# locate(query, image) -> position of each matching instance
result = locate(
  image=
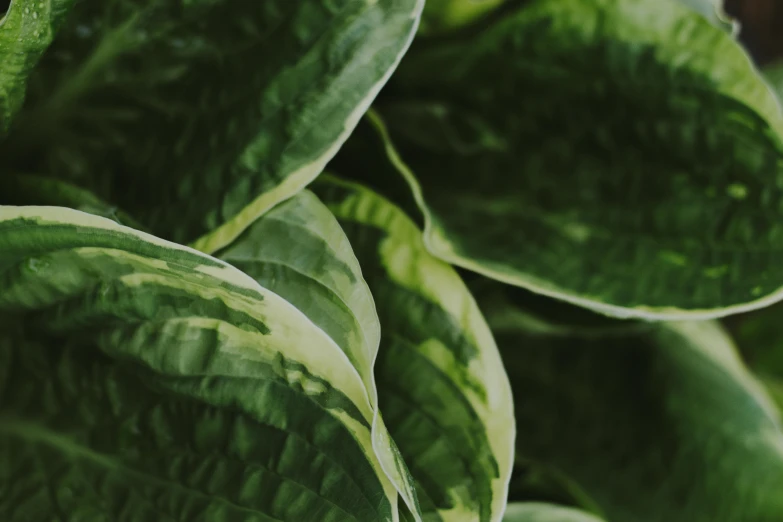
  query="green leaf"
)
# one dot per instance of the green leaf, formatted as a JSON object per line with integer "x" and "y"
{"x": 444, "y": 15}
{"x": 540, "y": 512}
{"x": 299, "y": 252}
{"x": 198, "y": 116}
{"x": 442, "y": 388}
{"x": 144, "y": 380}
{"x": 661, "y": 423}
{"x": 617, "y": 154}
{"x": 26, "y": 30}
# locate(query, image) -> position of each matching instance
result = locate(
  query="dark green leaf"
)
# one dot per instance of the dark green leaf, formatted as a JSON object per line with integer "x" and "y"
{"x": 26, "y": 30}
{"x": 441, "y": 385}
{"x": 143, "y": 380}
{"x": 197, "y": 116}
{"x": 659, "y": 424}
{"x": 619, "y": 154}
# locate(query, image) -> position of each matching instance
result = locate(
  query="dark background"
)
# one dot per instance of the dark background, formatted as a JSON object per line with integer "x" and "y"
{"x": 761, "y": 27}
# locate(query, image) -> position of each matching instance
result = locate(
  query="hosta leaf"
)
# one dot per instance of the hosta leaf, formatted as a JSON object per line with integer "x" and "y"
{"x": 198, "y": 116}
{"x": 299, "y": 251}
{"x": 618, "y": 154}
{"x": 442, "y": 388}
{"x": 152, "y": 382}
{"x": 26, "y": 30}
{"x": 661, "y": 423}
{"x": 539, "y": 512}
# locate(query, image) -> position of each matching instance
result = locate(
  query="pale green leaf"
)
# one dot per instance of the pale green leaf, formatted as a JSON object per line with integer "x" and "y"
{"x": 540, "y": 512}
{"x": 144, "y": 380}
{"x": 442, "y": 388}
{"x": 26, "y": 30}
{"x": 617, "y": 154}
{"x": 198, "y": 116}
{"x": 660, "y": 423}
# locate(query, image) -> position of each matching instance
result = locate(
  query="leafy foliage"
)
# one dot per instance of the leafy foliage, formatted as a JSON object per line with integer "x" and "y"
{"x": 495, "y": 303}
{"x": 591, "y": 128}
{"x": 225, "y": 108}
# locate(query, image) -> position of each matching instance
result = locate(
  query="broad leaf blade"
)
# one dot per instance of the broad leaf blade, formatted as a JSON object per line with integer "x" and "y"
{"x": 299, "y": 251}
{"x": 441, "y": 385}
{"x": 26, "y": 30}
{"x": 617, "y": 154}
{"x": 150, "y": 370}
{"x": 196, "y": 117}
{"x": 662, "y": 423}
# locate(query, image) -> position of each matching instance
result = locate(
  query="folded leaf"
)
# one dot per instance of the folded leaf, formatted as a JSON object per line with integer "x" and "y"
{"x": 26, "y": 30}
{"x": 618, "y": 154}
{"x": 152, "y": 382}
{"x": 198, "y": 116}
{"x": 299, "y": 251}
{"x": 442, "y": 388}
{"x": 661, "y": 423}
{"x": 539, "y": 512}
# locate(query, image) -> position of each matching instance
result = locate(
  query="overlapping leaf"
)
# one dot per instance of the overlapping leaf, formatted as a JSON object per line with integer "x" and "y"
{"x": 26, "y": 30}
{"x": 442, "y": 388}
{"x": 658, "y": 423}
{"x": 618, "y": 154}
{"x": 198, "y": 116}
{"x": 144, "y": 380}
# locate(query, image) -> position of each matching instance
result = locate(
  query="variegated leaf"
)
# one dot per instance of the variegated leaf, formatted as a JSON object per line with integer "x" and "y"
{"x": 144, "y": 380}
